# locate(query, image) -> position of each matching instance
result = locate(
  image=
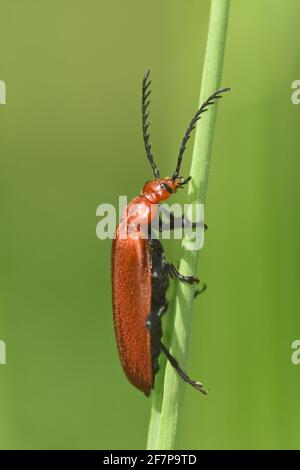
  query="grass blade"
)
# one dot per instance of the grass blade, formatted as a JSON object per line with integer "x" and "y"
{"x": 168, "y": 394}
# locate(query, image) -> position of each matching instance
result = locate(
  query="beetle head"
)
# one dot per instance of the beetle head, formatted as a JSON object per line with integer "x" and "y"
{"x": 161, "y": 189}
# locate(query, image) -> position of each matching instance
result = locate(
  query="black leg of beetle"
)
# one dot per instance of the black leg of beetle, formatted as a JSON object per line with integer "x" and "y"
{"x": 178, "y": 222}
{"x": 162, "y": 309}
{"x": 174, "y": 273}
{"x": 200, "y": 291}
{"x": 174, "y": 223}
{"x": 198, "y": 385}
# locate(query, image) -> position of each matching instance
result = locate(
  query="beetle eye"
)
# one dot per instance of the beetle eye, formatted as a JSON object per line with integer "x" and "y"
{"x": 166, "y": 188}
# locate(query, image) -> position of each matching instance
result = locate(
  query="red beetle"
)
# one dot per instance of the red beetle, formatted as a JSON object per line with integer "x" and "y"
{"x": 140, "y": 273}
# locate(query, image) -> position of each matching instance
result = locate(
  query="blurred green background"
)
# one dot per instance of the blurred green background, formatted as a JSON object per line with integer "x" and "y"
{"x": 70, "y": 139}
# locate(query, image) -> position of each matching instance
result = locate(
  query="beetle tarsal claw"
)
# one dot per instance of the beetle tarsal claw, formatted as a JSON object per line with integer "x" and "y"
{"x": 199, "y": 386}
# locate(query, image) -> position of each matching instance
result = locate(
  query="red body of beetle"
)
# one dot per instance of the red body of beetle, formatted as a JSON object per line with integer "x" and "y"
{"x": 132, "y": 286}
{"x": 140, "y": 273}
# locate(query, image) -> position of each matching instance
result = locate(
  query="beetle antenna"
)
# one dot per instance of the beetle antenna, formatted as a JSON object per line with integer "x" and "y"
{"x": 145, "y": 114}
{"x": 203, "y": 108}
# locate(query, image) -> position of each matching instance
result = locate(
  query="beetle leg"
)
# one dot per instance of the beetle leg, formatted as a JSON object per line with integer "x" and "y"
{"x": 162, "y": 309}
{"x": 178, "y": 222}
{"x": 198, "y": 385}
{"x": 174, "y": 273}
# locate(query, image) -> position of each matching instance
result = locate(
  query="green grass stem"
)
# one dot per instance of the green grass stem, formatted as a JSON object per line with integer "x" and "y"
{"x": 169, "y": 388}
